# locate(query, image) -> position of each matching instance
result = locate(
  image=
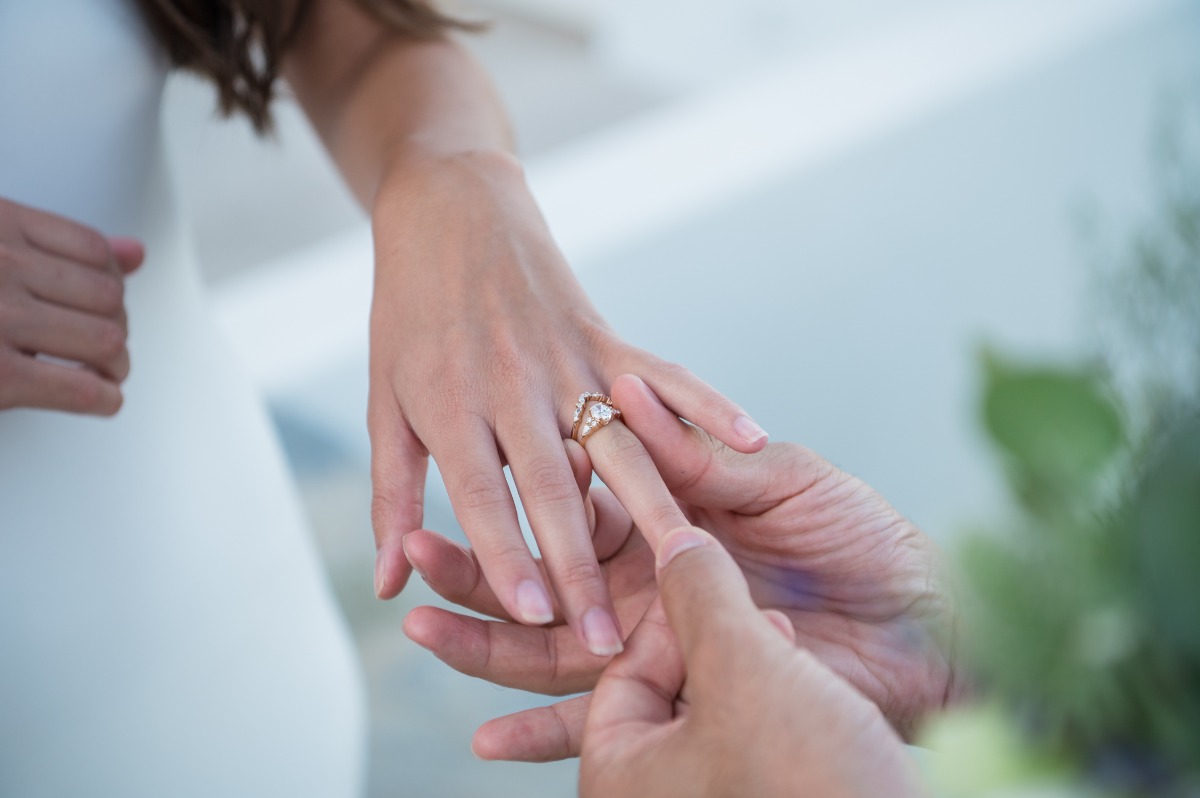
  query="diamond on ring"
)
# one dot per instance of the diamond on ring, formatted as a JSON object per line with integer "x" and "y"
{"x": 600, "y": 414}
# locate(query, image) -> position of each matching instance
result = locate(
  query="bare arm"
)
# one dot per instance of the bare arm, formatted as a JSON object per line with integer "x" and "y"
{"x": 381, "y": 101}
{"x": 481, "y": 337}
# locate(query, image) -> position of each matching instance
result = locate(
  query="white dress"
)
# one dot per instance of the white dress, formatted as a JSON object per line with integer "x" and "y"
{"x": 166, "y": 627}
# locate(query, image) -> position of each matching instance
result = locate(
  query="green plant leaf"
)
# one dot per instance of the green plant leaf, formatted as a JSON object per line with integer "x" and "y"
{"x": 1056, "y": 425}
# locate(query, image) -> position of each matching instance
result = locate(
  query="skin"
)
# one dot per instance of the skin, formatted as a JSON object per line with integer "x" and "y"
{"x": 857, "y": 582}
{"x": 481, "y": 337}
{"x": 705, "y": 673}
{"x": 62, "y": 289}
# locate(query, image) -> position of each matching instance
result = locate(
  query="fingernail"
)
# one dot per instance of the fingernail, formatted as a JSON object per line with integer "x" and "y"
{"x": 677, "y": 542}
{"x": 533, "y": 604}
{"x": 601, "y": 633}
{"x": 379, "y": 574}
{"x": 747, "y": 430}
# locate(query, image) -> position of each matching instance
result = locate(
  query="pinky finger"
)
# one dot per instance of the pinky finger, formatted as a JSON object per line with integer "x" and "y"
{"x": 541, "y": 734}
{"x": 695, "y": 400}
{"x": 30, "y": 382}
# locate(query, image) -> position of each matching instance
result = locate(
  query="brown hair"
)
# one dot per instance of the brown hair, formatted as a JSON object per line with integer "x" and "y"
{"x": 238, "y": 44}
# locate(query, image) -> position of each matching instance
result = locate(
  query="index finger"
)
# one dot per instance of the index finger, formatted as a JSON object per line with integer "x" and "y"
{"x": 642, "y": 684}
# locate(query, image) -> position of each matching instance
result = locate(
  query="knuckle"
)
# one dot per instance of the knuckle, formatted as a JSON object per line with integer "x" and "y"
{"x": 595, "y": 335}
{"x": 704, "y": 464}
{"x": 666, "y": 515}
{"x": 85, "y": 395}
{"x": 672, "y": 371}
{"x": 93, "y": 246}
{"x": 383, "y": 510}
{"x": 90, "y": 396}
{"x": 509, "y": 366}
{"x": 110, "y": 294}
{"x": 110, "y": 339}
{"x": 620, "y": 451}
{"x": 578, "y": 571}
{"x": 553, "y": 661}
{"x": 483, "y": 493}
{"x": 453, "y": 398}
{"x": 551, "y": 482}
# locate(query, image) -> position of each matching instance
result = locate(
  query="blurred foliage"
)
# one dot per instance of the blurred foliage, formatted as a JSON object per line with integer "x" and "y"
{"x": 1083, "y": 620}
{"x": 1056, "y": 427}
{"x": 1148, "y": 298}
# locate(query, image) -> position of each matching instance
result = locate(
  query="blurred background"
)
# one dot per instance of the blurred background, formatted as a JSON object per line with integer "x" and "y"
{"x": 824, "y": 209}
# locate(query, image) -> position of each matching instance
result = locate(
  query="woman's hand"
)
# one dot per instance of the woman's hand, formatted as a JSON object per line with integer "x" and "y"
{"x": 481, "y": 341}
{"x": 757, "y": 715}
{"x": 62, "y": 295}
{"x": 481, "y": 338}
{"x": 858, "y": 582}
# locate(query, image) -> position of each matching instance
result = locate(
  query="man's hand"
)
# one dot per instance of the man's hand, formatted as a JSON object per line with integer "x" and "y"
{"x": 857, "y": 581}
{"x": 62, "y": 294}
{"x": 756, "y": 715}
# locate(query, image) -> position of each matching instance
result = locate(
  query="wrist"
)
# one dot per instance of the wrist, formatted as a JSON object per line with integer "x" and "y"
{"x": 418, "y": 177}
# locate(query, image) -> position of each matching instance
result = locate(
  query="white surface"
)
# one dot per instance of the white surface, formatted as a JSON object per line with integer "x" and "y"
{"x": 729, "y": 141}
{"x": 166, "y": 628}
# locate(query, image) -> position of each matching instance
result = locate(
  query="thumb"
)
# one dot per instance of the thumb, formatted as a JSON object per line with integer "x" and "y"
{"x": 129, "y": 253}
{"x": 707, "y": 601}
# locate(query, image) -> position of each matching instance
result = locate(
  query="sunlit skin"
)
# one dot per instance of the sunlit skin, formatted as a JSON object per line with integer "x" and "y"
{"x": 480, "y": 336}
{"x": 714, "y": 698}
{"x": 858, "y": 583}
{"x": 62, "y": 292}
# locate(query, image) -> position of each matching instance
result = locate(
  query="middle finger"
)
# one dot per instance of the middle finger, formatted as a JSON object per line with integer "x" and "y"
{"x": 554, "y": 505}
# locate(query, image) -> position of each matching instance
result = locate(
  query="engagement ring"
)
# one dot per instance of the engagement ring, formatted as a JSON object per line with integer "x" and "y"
{"x": 588, "y": 419}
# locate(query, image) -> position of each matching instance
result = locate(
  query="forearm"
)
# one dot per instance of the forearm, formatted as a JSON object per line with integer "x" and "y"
{"x": 385, "y": 104}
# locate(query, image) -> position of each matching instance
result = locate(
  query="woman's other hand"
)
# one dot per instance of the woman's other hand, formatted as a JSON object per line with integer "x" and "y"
{"x": 62, "y": 295}
{"x": 756, "y": 715}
